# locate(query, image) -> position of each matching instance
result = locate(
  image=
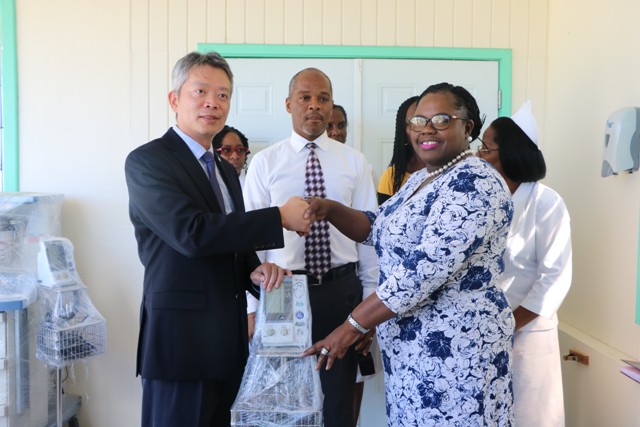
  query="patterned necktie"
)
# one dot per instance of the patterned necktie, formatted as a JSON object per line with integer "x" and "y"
{"x": 317, "y": 252}
{"x": 208, "y": 159}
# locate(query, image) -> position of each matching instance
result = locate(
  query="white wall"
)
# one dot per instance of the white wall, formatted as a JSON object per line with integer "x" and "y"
{"x": 93, "y": 78}
{"x": 592, "y": 71}
{"x": 597, "y": 395}
{"x": 75, "y": 103}
{"x": 590, "y": 76}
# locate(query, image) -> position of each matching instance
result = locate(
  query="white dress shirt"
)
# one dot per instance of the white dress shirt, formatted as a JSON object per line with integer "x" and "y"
{"x": 278, "y": 173}
{"x": 198, "y": 151}
{"x": 538, "y": 269}
{"x": 241, "y": 176}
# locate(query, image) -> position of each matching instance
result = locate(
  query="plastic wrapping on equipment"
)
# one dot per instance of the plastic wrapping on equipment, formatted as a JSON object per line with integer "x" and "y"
{"x": 25, "y": 382}
{"x": 71, "y": 328}
{"x": 43, "y": 314}
{"x": 279, "y": 387}
{"x": 24, "y": 219}
{"x": 18, "y": 289}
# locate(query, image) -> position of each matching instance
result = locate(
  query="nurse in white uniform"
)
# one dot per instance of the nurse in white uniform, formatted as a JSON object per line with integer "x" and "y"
{"x": 537, "y": 272}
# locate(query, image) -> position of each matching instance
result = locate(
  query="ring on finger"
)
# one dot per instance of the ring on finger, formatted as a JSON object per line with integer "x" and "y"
{"x": 324, "y": 351}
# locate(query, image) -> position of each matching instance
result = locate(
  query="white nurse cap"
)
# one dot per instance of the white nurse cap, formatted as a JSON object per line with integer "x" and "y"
{"x": 525, "y": 120}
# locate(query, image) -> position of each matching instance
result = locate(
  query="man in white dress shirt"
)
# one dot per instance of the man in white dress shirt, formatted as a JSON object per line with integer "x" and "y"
{"x": 277, "y": 173}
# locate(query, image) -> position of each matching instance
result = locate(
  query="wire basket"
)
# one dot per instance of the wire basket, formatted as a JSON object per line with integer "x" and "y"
{"x": 274, "y": 418}
{"x": 278, "y": 391}
{"x": 61, "y": 347}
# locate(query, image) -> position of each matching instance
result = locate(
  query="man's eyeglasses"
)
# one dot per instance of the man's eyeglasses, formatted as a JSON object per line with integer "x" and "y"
{"x": 226, "y": 150}
{"x": 440, "y": 121}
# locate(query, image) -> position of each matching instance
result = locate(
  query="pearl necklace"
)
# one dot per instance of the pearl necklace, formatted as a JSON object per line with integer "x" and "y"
{"x": 448, "y": 165}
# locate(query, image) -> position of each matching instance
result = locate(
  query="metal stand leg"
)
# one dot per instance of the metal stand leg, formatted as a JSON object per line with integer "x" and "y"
{"x": 58, "y": 398}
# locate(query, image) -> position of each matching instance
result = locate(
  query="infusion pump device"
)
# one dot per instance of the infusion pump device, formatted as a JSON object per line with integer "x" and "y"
{"x": 56, "y": 267}
{"x": 287, "y": 314}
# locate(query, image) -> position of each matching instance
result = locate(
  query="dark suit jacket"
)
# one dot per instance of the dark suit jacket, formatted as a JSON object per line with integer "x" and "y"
{"x": 193, "y": 321}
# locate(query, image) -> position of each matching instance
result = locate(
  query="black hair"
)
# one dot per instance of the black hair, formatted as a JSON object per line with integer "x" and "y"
{"x": 520, "y": 157}
{"x": 402, "y": 149}
{"x": 341, "y": 108}
{"x": 217, "y": 140}
{"x": 463, "y": 101}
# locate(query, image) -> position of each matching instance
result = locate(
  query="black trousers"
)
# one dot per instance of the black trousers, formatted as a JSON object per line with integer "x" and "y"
{"x": 189, "y": 403}
{"x": 331, "y": 303}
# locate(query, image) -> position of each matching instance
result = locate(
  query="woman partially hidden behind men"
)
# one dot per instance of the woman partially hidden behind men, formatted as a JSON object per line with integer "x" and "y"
{"x": 444, "y": 327}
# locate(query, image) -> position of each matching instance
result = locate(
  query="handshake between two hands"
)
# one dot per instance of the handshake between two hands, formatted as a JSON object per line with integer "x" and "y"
{"x": 298, "y": 214}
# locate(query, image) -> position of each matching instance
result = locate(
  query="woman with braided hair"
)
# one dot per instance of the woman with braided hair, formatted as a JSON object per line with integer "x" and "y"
{"x": 445, "y": 329}
{"x": 404, "y": 161}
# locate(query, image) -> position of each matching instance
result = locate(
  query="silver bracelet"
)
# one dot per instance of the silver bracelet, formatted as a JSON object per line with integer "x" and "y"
{"x": 357, "y": 325}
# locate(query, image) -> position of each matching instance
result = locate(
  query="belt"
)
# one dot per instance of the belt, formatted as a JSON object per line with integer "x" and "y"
{"x": 333, "y": 274}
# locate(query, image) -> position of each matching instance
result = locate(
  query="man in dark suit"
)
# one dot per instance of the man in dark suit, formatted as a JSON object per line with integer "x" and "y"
{"x": 197, "y": 246}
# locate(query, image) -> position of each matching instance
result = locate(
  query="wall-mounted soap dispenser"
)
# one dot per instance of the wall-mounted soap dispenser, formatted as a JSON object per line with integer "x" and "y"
{"x": 622, "y": 142}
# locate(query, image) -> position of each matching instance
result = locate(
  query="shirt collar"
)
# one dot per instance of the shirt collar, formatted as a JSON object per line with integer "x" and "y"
{"x": 299, "y": 143}
{"x": 197, "y": 149}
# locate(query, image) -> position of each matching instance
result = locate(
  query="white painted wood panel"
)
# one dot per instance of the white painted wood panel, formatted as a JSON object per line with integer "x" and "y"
{"x": 141, "y": 45}
{"x": 387, "y": 83}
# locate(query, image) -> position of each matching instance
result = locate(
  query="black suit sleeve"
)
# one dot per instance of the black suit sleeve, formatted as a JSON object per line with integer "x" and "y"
{"x": 169, "y": 198}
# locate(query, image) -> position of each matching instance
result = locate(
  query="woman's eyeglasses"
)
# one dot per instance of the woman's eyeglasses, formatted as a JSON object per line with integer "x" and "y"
{"x": 440, "y": 121}
{"x": 226, "y": 150}
{"x": 484, "y": 149}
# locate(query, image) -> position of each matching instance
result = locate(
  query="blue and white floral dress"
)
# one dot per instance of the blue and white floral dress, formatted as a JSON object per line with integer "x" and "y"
{"x": 447, "y": 353}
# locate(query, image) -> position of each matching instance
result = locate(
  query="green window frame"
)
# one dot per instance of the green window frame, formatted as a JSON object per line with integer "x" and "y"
{"x": 502, "y": 56}
{"x": 9, "y": 86}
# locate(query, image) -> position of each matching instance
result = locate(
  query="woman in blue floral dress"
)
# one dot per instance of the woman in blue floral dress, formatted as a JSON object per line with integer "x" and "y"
{"x": 445, "y": 329}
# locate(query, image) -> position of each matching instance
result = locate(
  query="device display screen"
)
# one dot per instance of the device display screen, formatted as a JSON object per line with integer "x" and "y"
{"x": 278, "y": 303}
{"x": 56, "y": 256}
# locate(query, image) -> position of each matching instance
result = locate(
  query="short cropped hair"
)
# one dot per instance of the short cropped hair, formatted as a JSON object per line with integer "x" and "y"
{"x": 520, "y": 157}
{"x": 194, "y": 59}
{"x": 294, "y": 79}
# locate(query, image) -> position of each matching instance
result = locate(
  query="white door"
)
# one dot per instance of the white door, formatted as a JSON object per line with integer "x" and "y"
{"x": 370, "y": 90}
{"x": 261, "y": 87}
